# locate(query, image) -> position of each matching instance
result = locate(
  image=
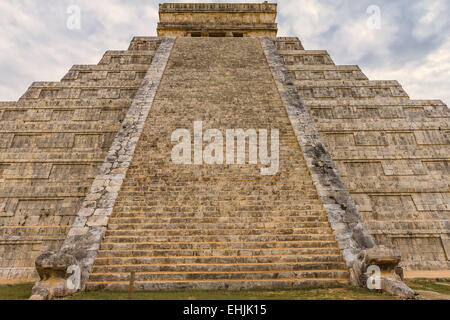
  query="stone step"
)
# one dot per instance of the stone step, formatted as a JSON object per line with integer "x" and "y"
{"x": 109, "y": 247}
{"x": 371, "y": 92}
{"x": 229, "y": 251}
{"x": 325, "y": 67}
{"x": 82, "y": 81}
{"x": 87, "y": 92}
{"x": 219, "y": 219}
{"x": 300, "y": 254}
{"x": 247, "y": 199}
{"x": 127, "y": 57}
{"x": 288, "y": 43}
{"x": 126, "y": 212}
{"x": 144, "y": 43}
{"x": 31, "y": 192}
{"x": 106, "y": 68}
{"x": 222, "y": 237}
{"x": 309, "y": 263}
{"x": 156, "y": 191}
{"x": 205, "y": 226}
{"x": 221, "y": 284}
{"x": 216, "y": 232}
{"x": 235, "y": 275}
{"x": 123, "y": 53}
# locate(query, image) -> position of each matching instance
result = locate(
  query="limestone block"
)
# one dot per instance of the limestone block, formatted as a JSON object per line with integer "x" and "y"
{"x": 368, "y": 113}
{"x": 370, "y": 138}
{"x": 40, "y": 208}
{"x": 56, "y": 140}
{"x": 392, "y": 207}
{"x": 27, "y": 171}
{"x": 322, "y": 113}
{"x": 32, "y": 93}
{"x": 422, "y": 251}
{"x": 5, "y": 140}
{"x": 363, "y": 169}
{"x": 332, "y": 75}
{"x": 87, "y": 114}
{"x": 127, "y": 93}
{"x": 89, "y": 94}
{"x": 438, "y": 168}
{"x": 446, "y": 245}
{"x": 393, "y": 112}
{"x": 68, "y": 172}
{"x": 88, "y": 141}
{"x": 345, "y": 112}
{"x": 38, "y": 115}
{"x": 71, "y": 75}
{"x": 446, "y": 199}
{"x": 49, "y": 93}
{"x": 403, "y": 167}
{"x": 94, "y": 75}
{"x": 341, "y": 139}
{"x": 8, "y": 207}
{"x": 68, "y": 93}
{"x": 437, "y": 111}
{"x": 398, "y": 92}
{"x": 13, "y": 115}
{"x": 429, "y": 201}
{"x": 109, "y": 93}
{"x": 62, "y": 115}
{"x": 112, "y": 114}
{"x": 362, "y": 201}
{"x": 363, "y": 92}
{"x": 401, "y": 139}
{"x": 432, "y": 137}
{"x": 324, "y": 92}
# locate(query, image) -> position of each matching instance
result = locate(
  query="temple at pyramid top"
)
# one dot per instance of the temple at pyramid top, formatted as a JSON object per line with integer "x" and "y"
{"x": 218, "y": 19}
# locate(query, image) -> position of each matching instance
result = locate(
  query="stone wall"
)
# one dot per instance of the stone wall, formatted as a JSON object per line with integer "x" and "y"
{"x": 189, "y": 19}
{"x": 392, "y": 152}
{"x": 52, "y": 143}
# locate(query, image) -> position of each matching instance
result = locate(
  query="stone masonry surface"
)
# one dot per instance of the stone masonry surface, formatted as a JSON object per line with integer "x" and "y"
{"x": 221, "y": 226}
{"x": 52, "y": 144}
{"x": 392, "y": 152}
{"x": 83, "y": 239}
{"x": 217, "y": 226}
{"x": 245, "y": 19}
{"x": 348, "y": 225}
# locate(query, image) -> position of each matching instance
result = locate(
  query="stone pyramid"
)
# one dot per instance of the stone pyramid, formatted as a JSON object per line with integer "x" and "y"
{"x": 86, "y": 170}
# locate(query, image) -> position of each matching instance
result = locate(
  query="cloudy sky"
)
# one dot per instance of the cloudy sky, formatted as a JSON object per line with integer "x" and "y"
{"x": 410, "y": 44}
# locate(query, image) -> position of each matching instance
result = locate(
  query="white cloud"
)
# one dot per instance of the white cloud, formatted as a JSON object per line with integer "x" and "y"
{"x": 412, "y": 46}
{"x": 433, "y": 18}
{"x": 425, "y": 79}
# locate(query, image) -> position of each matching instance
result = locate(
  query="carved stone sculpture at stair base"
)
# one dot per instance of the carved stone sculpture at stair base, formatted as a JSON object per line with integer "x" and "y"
{"x": 387, "y": 259}
{"x": 53, "y": 272}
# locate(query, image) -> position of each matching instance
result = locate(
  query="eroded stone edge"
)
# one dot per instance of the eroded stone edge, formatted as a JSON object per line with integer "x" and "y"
{"x": 345, "y": 219}
{"x": 85, "y": 236}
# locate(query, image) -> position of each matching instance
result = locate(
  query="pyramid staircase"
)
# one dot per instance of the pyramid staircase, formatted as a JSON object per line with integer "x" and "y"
{"x": 221, "y": 226}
